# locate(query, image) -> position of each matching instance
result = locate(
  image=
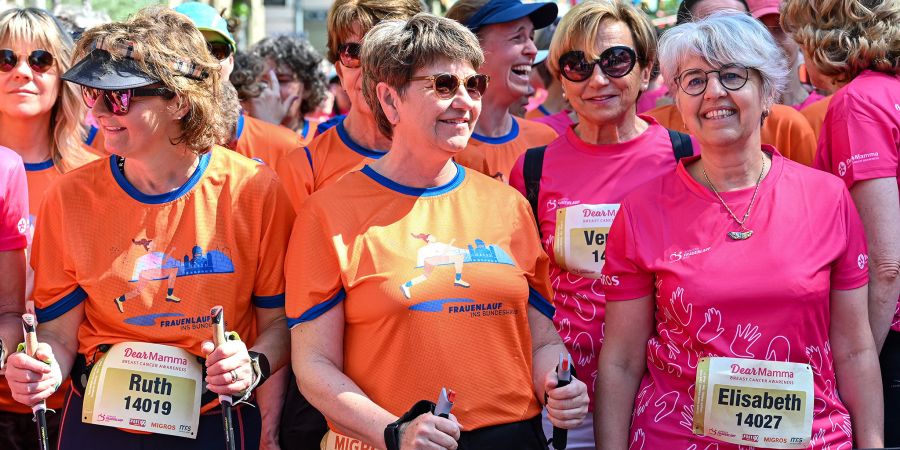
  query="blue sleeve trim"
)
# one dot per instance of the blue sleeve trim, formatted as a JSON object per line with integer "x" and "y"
{"x": 309, "y": 158}
{"x": 268, "y": 301}
{"x": 318, "y": 310}
{"x": 540, "y": 303}
{"x": 62, "y": 306}
{"x": 92, "y": 134}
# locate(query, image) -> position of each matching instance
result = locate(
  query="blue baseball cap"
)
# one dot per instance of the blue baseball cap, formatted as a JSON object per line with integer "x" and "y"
{"x": 206, "y": 18}
{"x": 502, "y": 11}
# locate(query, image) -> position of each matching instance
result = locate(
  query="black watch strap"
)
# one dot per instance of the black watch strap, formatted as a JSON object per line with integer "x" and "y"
{"x": 392, "y": 431}
{"x": 260, "y": 360}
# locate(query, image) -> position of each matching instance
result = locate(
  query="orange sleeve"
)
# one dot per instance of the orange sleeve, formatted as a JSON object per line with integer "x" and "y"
{"x": 56, "y": 289}
{"x": 277, "y": 218}
{"x": 312, "y": 270}
{"x": 669, "y": 117}
{"x": 295, "y": 171}
{"x": 790, "y": 133}
{"x": 526, "y": 249}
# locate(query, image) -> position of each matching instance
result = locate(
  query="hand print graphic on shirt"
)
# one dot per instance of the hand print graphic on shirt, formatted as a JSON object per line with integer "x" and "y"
{"x": 840, "y": 421}
{"x": 815, "y": 358}
{"x": 666, "y": 405}
{"x": 583, "y": 346}
{"x": 779, "y": 349}
{"x": 637, "y": 442}
{"x": 682, "y": 312}
{"x": 712, "y": 326}
{"x": 713, "y": 446}
{"x": 687, "y": 417}
{"x": 744, "y": 338}
{"x": 654, "y": 354}
{"x": 565, "y": 330}
{"x": 643, "y": 399}
{"x": 581, "y": 310}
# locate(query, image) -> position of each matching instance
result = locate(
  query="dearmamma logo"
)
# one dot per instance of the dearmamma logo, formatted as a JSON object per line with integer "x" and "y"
{"x": 842, "y": 168}
{"x": 862, "y": 260}
{"x": 108, "y": 418}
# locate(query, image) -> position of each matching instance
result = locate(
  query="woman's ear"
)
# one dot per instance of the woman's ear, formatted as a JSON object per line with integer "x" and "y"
{"x": 179, "y": 108}
{"x": 645, "y": 77}
{"x": 390, "y": 102}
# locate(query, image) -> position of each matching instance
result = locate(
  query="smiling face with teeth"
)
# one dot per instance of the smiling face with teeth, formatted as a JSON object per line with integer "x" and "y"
{"x": 508, "y": 53}
{"x": 722, "y": 118}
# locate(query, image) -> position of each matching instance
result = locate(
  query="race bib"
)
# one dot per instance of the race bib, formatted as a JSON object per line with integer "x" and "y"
{"x": 581, "y": 234}
{"x": 764, "y": 404}
{"x": 337, "y": 441}
{"x": 145, "y": 387}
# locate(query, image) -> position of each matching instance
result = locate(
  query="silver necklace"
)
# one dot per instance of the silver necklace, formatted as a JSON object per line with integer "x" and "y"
{"x": 744, "y": 233}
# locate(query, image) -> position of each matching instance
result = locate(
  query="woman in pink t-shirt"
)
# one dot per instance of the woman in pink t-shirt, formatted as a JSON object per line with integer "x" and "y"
{"x": 602, "y": 54}
{"x": 735, "y": 286}
{"x": 860, "y": 142}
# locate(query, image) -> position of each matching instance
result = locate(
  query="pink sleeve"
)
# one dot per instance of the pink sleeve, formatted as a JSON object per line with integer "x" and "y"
{"x": 13, "y": 203}
{"x": 516, "y": 176}
{"x": 624, "y": 277}
{"x": 862, "y": 143}
{"x": 851, "y": 269}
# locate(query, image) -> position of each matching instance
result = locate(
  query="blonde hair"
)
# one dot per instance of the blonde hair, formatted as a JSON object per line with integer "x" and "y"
{"x": 348, "y": 16}
{"x": 579, "y": 28}
{"x": 162, "y": 38}
{"x": 40, "y": 29}
{"x": 395, "y": 49}
{"x": 846, "y": 37}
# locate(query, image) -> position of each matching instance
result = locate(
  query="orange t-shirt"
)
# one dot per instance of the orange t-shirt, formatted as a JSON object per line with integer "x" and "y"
{"x": 435, "y": 293}
{"x": 166, "y": 259}
{"x": 815, "y": 114}
{"x": 329, "y": 157}
{"x": 263, "y": 141}
{"x": 308, "y": 132}
{"x": 495, "y": 157}
{"x": 536, "y": 113}
{"x": 785, "y": 129}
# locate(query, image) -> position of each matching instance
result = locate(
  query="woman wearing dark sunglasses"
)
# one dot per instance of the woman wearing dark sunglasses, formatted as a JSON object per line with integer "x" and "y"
{"x": 134, "y": 250}
{"x": 603, "y": 53}
{"x": 422, "y": 289}
{"x": 736, "y": 285}
{"x": 41, "y": 119}
{"x": 355, "y": 140}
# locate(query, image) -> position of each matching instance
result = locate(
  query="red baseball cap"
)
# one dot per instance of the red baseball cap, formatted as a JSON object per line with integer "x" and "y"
{"x": 759, "y": 8}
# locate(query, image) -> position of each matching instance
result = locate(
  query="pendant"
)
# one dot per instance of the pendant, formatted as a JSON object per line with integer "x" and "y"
{"x": 740, "y": 235}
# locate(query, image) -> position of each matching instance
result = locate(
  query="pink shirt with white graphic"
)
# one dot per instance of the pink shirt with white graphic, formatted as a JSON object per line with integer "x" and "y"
{"x": 13, "y": 202}
{"x": 765, "y": 298}
{"x": 576, "y": 173}
{"x": 861, "y": 134}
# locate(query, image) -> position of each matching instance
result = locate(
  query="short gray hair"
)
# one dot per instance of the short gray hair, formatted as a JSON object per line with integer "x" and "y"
{"x": 394, "y": 49}
{"x": 725, "y": 38}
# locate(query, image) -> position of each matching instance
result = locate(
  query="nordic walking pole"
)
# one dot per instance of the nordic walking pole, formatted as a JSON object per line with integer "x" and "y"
{"x": 29, "y": 328}
{"x": 218, "y": 320}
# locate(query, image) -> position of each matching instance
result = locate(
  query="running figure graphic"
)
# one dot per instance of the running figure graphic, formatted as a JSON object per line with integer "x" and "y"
{"x": 152, "y": 266}
{"x": 434, "y": 254}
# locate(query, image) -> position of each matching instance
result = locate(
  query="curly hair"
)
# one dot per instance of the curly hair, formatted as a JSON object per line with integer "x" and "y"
{"x": 164, "y": 37}
{"x": 845, "y": 37}
{"x": 248, "y": 68}
{"x": 38, "y": 27}
{"x": 298, "y": 54}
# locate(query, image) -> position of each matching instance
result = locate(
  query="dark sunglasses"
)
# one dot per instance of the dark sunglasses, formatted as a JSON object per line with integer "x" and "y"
{"x": 731, "y": 77}
{"x": 446, "y": 84}
{"x": 614, "y": 62}
{"x": 220, "y": 50}
{"x": 119, "y": 101}
{"x": 39, "y": 60}
{"x": 349, "y": 54}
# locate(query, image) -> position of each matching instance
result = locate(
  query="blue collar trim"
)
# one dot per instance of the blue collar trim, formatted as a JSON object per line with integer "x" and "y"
{"x": 544, "y": 110}
{"x": 349, "y": 142}
{"x": 34, "y": 167}
{"x": 513, "y": 133}
{"x": 159, "y": 198}
{"x": 239, "y": 130}
{"x": 305, "y": 129}
{"x": 417, "y": 192}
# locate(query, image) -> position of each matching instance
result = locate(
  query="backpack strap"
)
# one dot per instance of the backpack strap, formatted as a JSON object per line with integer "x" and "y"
{"x": 681, "y": 145}
{"x": 531, "y": 172}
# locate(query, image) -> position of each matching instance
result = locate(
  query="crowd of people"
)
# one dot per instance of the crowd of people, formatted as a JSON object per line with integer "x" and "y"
{"x": 503, "y": 228}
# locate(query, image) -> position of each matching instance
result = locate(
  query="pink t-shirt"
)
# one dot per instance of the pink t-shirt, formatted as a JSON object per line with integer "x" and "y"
{"x": 13, "y": 202}
{"x": 861, "y": 134}
{"x": 581, "y": 188}
{"x": 766, "y": 297}
{"x": 812, "y": 98}
{"x": 560, "y": 122}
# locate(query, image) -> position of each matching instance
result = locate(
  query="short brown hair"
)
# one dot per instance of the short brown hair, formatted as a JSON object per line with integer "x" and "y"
{"x": 463, "y": 10}
{"x": 846, "y": 37}
{"x": 411, "y": 45}
{"x": 348, "y": 16}
{"x": 162, "y": 36}
{"x": 579, "y": 28}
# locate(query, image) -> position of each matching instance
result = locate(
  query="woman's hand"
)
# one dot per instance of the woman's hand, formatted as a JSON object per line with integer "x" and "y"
{"x": 430, "y": 432}
{"x": 31, "y": 379}
{"x": 268, "y": 106}
{"x": 567, "y": 405}
{"x": 228, "y": 369}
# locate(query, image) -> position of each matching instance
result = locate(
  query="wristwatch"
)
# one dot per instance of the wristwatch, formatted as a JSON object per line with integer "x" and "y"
{"x": 260, "y": 365}
{"x": 392, "y": 431}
